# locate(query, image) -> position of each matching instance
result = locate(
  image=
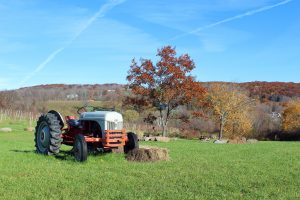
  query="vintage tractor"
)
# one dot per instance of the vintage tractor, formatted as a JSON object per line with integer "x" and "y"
{"x": 96, "y": 130}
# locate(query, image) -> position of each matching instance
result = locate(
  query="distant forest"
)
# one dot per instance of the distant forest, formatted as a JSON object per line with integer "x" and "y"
{"x": 20, "y": 98}
{"x": 271, "y": 99}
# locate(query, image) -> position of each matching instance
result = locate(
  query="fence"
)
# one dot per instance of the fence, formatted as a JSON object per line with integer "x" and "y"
{"x": 18, "y": 115}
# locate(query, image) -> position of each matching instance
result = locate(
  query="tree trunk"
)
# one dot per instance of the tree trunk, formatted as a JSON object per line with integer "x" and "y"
{"x": 222, "y": 120}
{"x": 221, "y": 131}
{"x": 162, "y": 122}
{"x": 164, "y": 132}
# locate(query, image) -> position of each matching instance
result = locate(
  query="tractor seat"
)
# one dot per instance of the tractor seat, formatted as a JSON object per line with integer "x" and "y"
{"x": 74, "y": 123}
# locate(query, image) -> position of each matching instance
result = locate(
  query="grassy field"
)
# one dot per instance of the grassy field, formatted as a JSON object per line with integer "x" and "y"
{"x": 267, "y": 170}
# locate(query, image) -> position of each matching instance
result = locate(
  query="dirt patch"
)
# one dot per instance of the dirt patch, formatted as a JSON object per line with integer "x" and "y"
{"x": 148, "y": 154}
{"x": 5, "y": 130}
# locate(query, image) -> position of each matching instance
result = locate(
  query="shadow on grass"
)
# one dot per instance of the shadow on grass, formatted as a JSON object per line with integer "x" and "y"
{"x": 23, "y": 151}
{"x": 63, "y": 154}
{"x": 69, "y": 155}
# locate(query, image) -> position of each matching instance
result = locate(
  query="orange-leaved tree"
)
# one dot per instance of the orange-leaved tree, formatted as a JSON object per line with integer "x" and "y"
{"x": 291, "y": 117}
{"x": 164, "y": 85}
{"x": 231, "y": 106}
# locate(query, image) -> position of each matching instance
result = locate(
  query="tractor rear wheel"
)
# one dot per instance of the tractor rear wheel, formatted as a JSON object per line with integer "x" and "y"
{"x": 48, "y": 135}
{"x": 132, "y": 142}
{"x": 80, "y": 148}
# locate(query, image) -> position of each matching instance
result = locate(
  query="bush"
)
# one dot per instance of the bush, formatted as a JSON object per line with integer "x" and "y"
{"x": 190, "y": 134}
{"x": 131, "y": 115}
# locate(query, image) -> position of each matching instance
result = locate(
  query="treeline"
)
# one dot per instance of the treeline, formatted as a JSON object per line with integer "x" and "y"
{"x": 272, "y": 99}
{"x": 264, "y": 91}
{"x": 268, "y": 91}
{"x": 272, "y": 91}
{"x": 35, "y": 98}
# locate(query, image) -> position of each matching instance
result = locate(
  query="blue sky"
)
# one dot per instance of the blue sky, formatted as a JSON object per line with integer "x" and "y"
{"x": 87, "y": 42}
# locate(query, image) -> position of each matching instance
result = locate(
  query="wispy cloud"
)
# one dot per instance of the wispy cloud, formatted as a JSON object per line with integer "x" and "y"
{"x": 99, "y": 14}
{"x": 246, "y": 14}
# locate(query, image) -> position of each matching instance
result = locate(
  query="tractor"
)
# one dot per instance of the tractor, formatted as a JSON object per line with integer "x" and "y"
{"x": 96, "y": 130}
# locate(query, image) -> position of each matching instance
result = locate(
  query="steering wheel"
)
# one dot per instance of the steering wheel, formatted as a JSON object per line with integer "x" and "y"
{"x": 92, "y": 108}
{"x": 82, "y": 109}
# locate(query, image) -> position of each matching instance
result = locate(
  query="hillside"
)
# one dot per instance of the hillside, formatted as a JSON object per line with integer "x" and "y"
{"x": 28, "y": 97}
{"x": 274, "y": 91}
{"x": 272, "y": 99}
{"x": 256, "y": 89}
{"x": 270, "y": 91}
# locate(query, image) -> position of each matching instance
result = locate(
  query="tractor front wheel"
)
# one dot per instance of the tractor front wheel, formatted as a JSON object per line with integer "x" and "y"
{"x": 80, "y": 148}
{"x": 132, "y": 142}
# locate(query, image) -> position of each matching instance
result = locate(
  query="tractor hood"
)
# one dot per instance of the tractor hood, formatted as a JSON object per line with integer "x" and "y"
{"x": 104, "y": 115}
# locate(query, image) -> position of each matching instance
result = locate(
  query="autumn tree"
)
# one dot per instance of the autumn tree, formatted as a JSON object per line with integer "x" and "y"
{"x": 291, "y": 117}
{"x": 131, "y": 115}
{"x": 164, "y": 85}
{"x": 239, "y": 123}
{"x": 230, "y": 105}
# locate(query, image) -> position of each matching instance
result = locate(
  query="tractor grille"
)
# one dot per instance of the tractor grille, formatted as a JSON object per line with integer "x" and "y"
{"x": 114, "y": 126}
{"x": 120, "y": 125}
{"x": 115, "y": 138}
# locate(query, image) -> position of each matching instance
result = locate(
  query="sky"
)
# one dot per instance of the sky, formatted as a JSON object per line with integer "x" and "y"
{"x": 93, "y": 42}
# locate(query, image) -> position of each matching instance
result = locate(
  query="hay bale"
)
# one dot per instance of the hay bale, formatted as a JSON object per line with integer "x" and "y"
{"x": 148, "y": 154}
{"x": 5, "y": 130}
{"x": 29, "y": 129}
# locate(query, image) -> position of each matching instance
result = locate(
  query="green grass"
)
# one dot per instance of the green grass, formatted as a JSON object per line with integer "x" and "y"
{"x": 267, "y": 170}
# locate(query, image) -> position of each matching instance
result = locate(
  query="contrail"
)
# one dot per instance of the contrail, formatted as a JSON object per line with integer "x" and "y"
{"x": 246, "y": 14}
{"x": 99, "y": 14}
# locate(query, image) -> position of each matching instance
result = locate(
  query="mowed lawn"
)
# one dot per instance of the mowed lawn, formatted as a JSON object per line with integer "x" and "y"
{"x": 266, "y": 170}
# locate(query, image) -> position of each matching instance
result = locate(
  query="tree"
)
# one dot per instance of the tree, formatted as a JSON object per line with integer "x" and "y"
{"x": 165, "y": 85}
{"x": 291, "y": 117}
{"x": 131, "y": 115}
{"x": 230, "y": 105}
{"x": 8, "y": 99}
{"x": 267, "y": 119}
{"x": 239, "y": 123}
